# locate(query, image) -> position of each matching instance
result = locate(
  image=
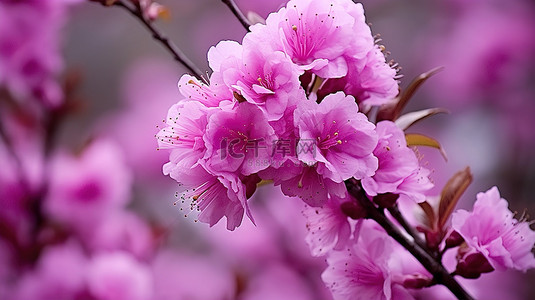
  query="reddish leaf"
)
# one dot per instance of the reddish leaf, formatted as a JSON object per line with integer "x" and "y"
{"x": 392, "y": 112}
{"x": 430, "y": 219}
{"x": 451, "y": 193}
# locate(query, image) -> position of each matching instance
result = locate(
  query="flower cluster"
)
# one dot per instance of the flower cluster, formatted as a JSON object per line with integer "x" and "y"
{"x": 293, "y": 104}
{"x": 288, "y": 105}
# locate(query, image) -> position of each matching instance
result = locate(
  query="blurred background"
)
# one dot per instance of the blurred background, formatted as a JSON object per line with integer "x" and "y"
{"x": 144, "y": 248}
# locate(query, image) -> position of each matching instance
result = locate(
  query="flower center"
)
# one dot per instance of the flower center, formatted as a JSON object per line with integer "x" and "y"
{"x": 329, "y": 141}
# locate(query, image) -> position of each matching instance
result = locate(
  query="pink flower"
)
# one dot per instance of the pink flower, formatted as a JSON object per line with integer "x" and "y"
{"x": 118, "y": 276}
{"x": 364, "y": 271}
{"x": 299, "y": 180}
{"x": 213, "y": 95}
{"x": 332, "y": 40}
{"x": 491, "y": 229}
{"x": 370, "y": 80}
{"x": 339, "y": 139}
{"x": 85, "y": 189}
{"x": 263, "y": 77}
{"x": 399, "y": 171}
{"x": 316, "y": 35}
{"x": 186, "y": 125}
{"x": 60, "y": 274}
{"x": 238, "y": 140}
{"x": 210, "y": 197}
{"x": 328, "y": 227}
{"x": 29, "y": 49}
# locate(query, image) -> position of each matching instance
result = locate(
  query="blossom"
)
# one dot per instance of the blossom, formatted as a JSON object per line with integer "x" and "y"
{"x": 186, "y": 125}
{"x": 238, "y": 140}
{"x": 60, "y": 274}
{"x": 83, "y": 190}
{"x": 340, "y": 138}
{"x": 118, "y": 276}
{"x": 370, "y": 80}
{"x": 29, "y": 49}
{"x": 491, "y": 229}
{"x": 303, "y": 181}
{"x": 210, "y": 197}
{"x": 213, "y": 95}
{"x": 332, "y": 40}
{"x": 328, "y": 227}
{"x": 316, "y": 35}
{"x": 363, "y": 270}
{"x": 263, "y": 77}
{"x": 399, "y": 171}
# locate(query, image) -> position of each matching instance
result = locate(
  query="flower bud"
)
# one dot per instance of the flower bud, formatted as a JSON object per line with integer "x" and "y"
{"x": 416, "y": 281}
{"x": 454, "y": 240}
{"x": 472, "y": 265}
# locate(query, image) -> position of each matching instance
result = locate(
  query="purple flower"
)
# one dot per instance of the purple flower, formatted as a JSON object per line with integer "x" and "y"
{"x": 399, "y": 171}
{"x": 332, "y": 40}
{"x": 85, "y": 189}
{"x": 328, "y": 227}
{"x": 491, "y": 229}
{"x": 364, "y": 270}
{"x": 186, "y": 125}
{"x": 370, "y": 80}
{"x": 210, "y": 197}
{"x": 263, "y": 77}
{"x": 29, "y": 49}
{"x": 339, "y": 139}
{"x": 316, "y": 35}
{"x": 299, "y": 180}
{"x": 212, "y": 95}
{"x": 60, "y": 274}
{"x": 238, "y": 140}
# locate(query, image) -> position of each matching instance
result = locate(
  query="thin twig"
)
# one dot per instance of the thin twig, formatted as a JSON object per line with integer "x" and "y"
{"x": 238, "y": 13}
{"x": 178, "y": 55}
{"x": 440, "y": 274}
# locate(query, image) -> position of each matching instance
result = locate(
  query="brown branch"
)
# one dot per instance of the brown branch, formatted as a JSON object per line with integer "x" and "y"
{"x": 177, "y": 54}
{"x": 238, "y": 13}
{"x": 440, "y": 274}
{"x": 394, "y": 211}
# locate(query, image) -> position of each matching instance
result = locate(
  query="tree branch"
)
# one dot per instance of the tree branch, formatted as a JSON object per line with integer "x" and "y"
{"x": 440, "y": 274}
{"x": 238, "y": 13}
{"x": 177, "y": 54}
{"x": 394, "y": 211}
